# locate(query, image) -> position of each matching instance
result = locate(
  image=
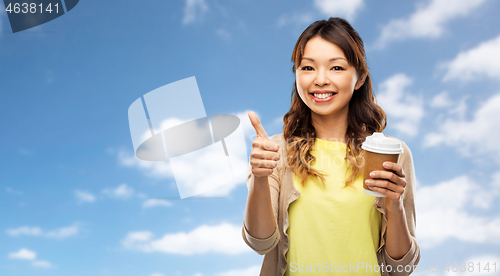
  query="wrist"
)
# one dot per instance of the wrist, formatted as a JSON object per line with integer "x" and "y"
{"x": 261, "y": 180}
{"x": 394, "y": 208}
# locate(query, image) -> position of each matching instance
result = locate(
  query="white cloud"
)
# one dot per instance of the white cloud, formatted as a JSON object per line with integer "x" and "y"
{"x": 156, "y": 169}
{"x": 340, "y": 8}
{"x": 43, "y": 264}
{"x": 403, "y": 109}
{"x": 23, "y": 254}
{"x": 163, "y": 169}
{"x": 83, "y": 196}
{"x": 473, "y": 64}
{"x": 247, "y": 125}
{"x": 443, "y": 212}
{"x": 209, "y": 172}
{"x": 428, "y": 21}
{"x": 139, "y": 236}
{"x": 63, "y": 232}
{"x": 249, "y": 132}
{"x": 224, "y": 239}
{"x": 122, "y": 191}
{"x": 251, "y": 271}
{"x": 154, "y": 202}
{"x": 471, "y": 137}
{"x": 441, "y": 100}
{"x": 26, "y": 231}
{"x": 460, "y": 109}
{"x": 194, "y": 11}
{"x": 224, "y": 34}
{"x": 483, "y": 260}
{"x": 165, "y": 124}
{"x": 26, "y": 254}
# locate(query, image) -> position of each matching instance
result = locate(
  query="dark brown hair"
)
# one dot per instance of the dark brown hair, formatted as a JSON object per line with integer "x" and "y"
{"x": 364, "y": 116}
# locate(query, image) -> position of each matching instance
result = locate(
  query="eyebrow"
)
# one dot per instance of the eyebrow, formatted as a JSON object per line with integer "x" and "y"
{"x": 332, "y": 59}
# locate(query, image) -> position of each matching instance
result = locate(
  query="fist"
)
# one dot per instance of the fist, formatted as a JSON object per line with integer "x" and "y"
{"x": 264, "y": 156}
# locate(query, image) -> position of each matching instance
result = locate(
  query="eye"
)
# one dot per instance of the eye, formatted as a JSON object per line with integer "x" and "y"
{"x": 337, "y": 68}
{"x": 306, "y": 68}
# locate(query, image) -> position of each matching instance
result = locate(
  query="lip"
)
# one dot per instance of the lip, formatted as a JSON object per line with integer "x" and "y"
{"x": 322, "y": 92}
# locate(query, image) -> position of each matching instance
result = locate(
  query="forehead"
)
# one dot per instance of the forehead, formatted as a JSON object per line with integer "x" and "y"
{"x": 318, "y": 48}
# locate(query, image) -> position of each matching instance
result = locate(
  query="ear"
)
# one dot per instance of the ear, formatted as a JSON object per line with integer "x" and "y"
{"x": 360, "y": 82}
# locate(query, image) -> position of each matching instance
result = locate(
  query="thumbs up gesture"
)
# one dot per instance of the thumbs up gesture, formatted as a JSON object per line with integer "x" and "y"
{"x": 264, "y": 155}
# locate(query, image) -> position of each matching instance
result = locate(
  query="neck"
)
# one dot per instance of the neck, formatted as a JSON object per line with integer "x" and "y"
{"x": 332, "y": 127}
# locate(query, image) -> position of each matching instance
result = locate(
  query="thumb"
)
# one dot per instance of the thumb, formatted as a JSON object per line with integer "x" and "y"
{"x": 254, "y": 119}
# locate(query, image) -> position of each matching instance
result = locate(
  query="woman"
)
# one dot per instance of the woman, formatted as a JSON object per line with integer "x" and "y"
{"x": 306, "y": 210}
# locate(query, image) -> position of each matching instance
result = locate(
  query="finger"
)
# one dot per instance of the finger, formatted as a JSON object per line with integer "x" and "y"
{"x": 388, "y": 193}
{"x": 254, "y": 119}
{"x": 268, "y": 155}
{"x": 388, "y": 175}
{"x": 261, "y": 171}
{"x": 398, "y": 169}
{"x": 265, "y": 144}
{"x": 260, "y": 163}
{"x": 384, "y": 184}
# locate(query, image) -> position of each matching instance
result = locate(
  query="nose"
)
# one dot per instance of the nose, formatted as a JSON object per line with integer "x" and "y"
{"x": 322, "y": 78}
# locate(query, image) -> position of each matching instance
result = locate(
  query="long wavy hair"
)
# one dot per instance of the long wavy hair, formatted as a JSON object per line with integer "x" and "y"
{"x": 364, "y": 115}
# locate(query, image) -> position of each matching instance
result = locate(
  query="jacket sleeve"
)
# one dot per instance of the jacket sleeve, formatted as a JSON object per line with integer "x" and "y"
{"x": 262, "y": 246}
{"x": 412, "y": 257}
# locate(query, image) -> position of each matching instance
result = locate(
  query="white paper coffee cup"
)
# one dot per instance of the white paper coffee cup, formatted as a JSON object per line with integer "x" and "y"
{"x": 378, "y": 149}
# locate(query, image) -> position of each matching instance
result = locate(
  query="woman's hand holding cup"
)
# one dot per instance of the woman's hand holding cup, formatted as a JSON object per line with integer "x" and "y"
{"x": 264, "y": 156}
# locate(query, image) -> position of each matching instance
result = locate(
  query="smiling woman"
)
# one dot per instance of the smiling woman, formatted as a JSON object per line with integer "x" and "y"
{"x": 306, "y": 210}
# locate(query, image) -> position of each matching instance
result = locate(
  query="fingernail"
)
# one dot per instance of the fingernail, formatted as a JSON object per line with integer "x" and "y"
{"x": 385, "y": 164}
{"x": 372, "y": 174}
{"x": 367, "y": 181}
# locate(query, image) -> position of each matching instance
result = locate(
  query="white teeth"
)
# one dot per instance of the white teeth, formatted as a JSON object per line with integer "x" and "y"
{"x": 322, "y": 95}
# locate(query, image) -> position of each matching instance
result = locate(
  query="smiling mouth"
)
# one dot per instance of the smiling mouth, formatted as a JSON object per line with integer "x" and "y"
{"x": 323, "y": 95}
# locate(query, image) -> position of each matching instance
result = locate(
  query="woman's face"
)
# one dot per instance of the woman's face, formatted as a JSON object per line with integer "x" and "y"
{"x": 325, "y": 80}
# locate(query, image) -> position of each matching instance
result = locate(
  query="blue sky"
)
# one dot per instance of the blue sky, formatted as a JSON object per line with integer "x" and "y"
{"x": 75, "y": 201}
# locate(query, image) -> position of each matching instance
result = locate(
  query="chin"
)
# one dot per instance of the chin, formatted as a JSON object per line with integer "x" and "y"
{"x": 323, "y": 112}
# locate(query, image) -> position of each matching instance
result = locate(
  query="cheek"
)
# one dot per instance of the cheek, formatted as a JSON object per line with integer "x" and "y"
{"x": 348, "y": 83}
{"x": 353, "y": 82}
{"x": 301, "y": 83}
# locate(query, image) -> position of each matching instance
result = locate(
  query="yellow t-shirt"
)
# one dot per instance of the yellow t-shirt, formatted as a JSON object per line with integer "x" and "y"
{"x": 333, "y": 230}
